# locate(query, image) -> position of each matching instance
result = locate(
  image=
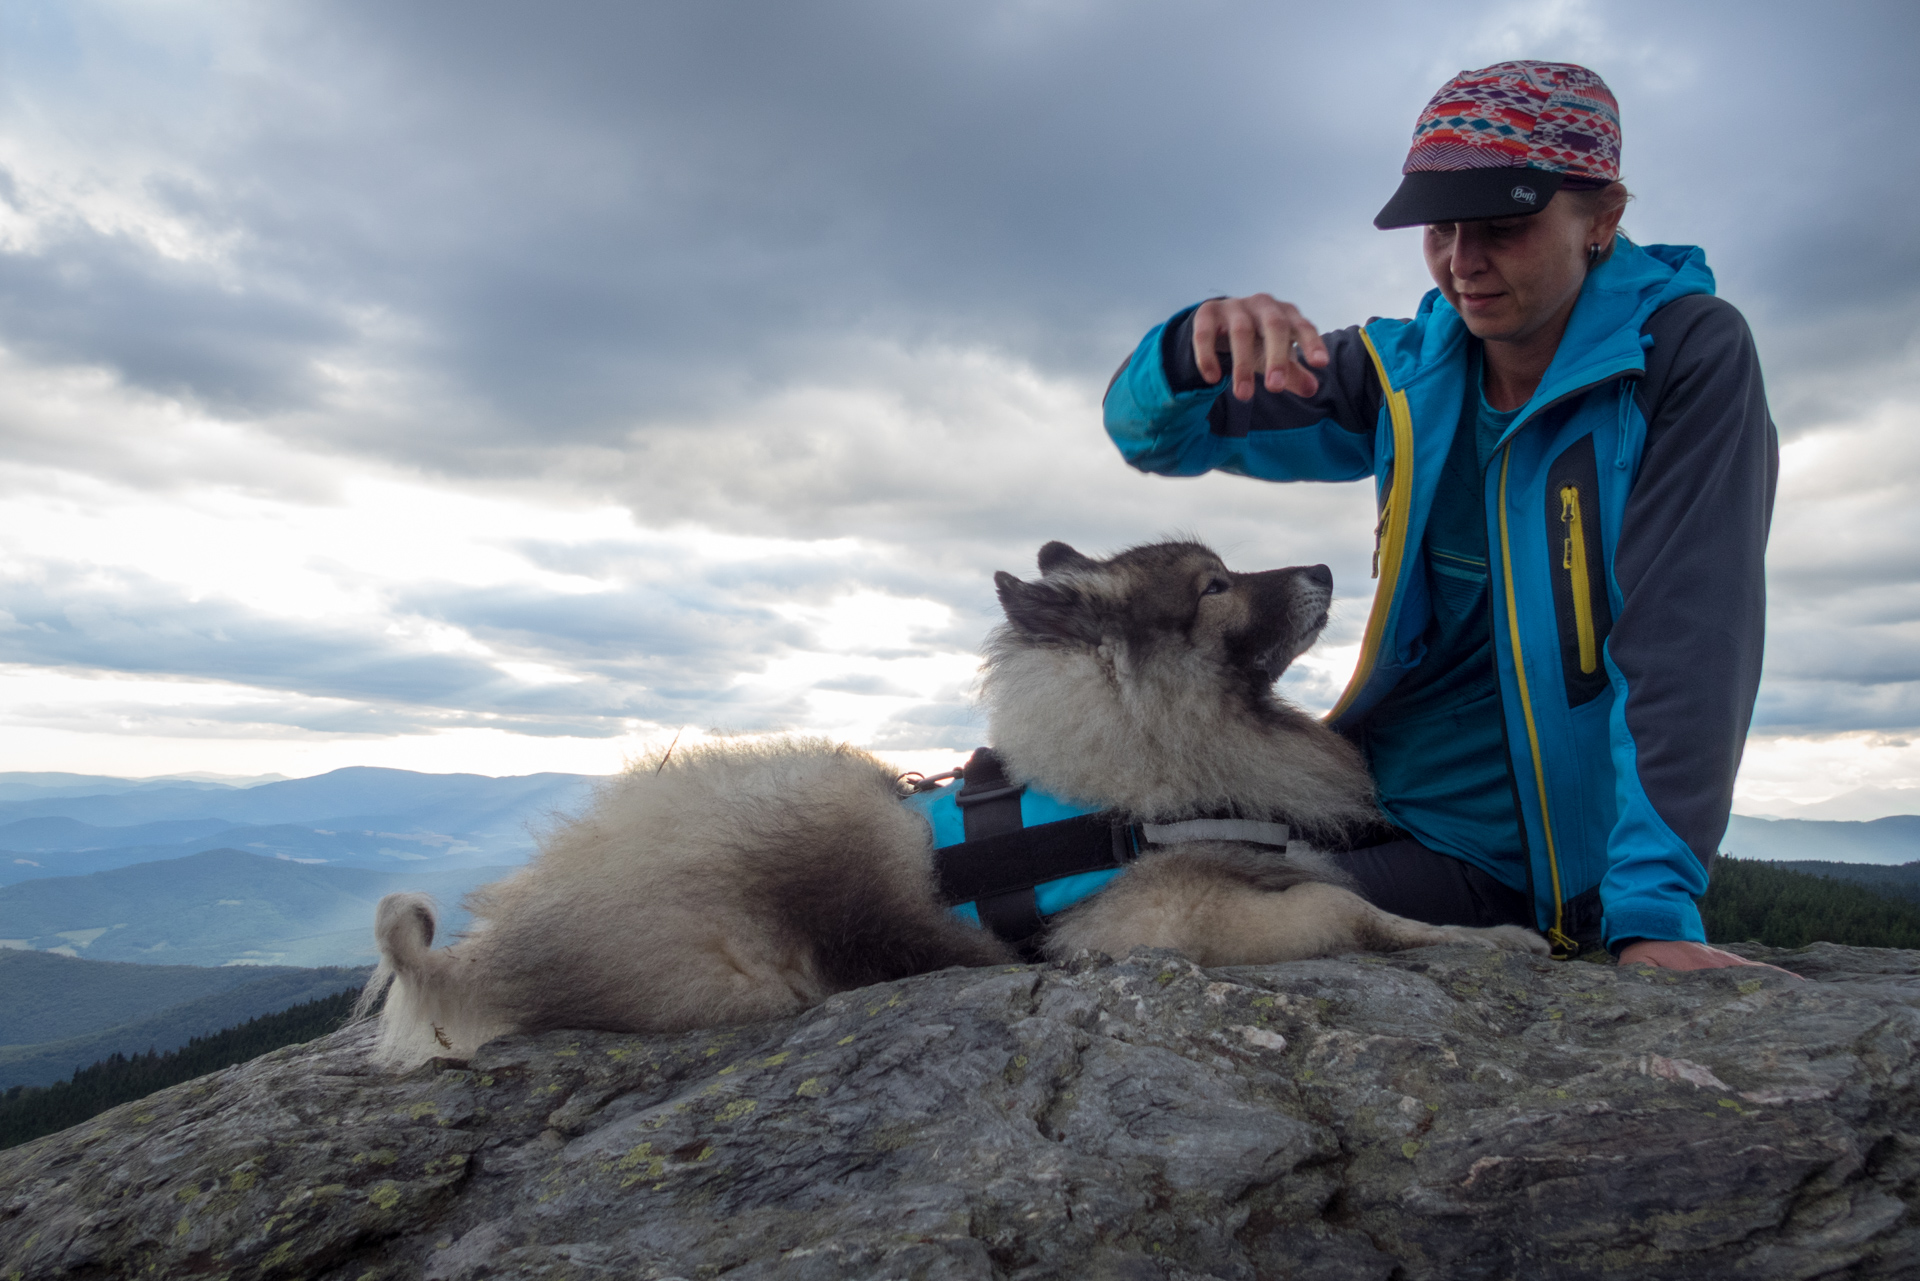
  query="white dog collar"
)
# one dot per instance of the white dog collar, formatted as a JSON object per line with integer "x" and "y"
{"x": 1216, "y": 829}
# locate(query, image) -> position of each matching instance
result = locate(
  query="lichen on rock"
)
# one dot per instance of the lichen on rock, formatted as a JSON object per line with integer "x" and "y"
{"x": 1444, "y": 1113}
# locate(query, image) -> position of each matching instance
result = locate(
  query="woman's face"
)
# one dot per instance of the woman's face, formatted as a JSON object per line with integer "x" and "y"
{"x": 1511, "y": 278}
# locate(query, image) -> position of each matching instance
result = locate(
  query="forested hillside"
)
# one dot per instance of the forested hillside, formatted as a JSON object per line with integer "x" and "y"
{"x": 1754, "y": 901}
{"x": 1903, "y": 879}
{"x": 45, "y": 996}
{"x": 168, "y": 1028}
{"x": 27, "y": 1112}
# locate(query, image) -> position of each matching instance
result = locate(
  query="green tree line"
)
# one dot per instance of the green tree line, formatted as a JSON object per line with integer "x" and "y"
{"x": 1752, "y": 901}
{"x": 27, "y": 1112}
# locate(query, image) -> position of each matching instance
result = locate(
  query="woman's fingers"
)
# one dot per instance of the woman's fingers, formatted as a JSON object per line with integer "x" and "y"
{"x": 1249, "y": 356}
{"x": 1260, "y": 334}
{"x": 1208, "y": 328}
{"x": 1679, "y": 955}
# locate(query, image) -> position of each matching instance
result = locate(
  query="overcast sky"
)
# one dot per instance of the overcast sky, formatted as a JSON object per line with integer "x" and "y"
{"x": 504, "y": 387}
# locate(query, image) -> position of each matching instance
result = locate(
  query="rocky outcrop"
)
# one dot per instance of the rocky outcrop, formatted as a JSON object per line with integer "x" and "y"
{"x": 1447, "y": 1113}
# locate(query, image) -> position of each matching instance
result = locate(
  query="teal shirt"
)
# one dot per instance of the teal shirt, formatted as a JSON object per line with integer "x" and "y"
{"x": 1436, "y": 742}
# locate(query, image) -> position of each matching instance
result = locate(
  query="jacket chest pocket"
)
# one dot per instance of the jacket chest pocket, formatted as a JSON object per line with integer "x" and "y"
{"x": 1577, "y": 563}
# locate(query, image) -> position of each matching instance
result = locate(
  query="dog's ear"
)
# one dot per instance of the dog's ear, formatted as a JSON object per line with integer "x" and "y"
{"x": 1045, "y": 611}
{"x": 1057, "y": 555}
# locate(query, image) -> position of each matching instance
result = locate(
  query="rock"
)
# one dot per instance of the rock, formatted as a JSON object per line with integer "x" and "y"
{"x": 1445, "y": 1113}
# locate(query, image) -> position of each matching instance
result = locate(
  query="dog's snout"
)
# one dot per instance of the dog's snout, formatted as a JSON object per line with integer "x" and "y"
{"x": 1320, "y": 576}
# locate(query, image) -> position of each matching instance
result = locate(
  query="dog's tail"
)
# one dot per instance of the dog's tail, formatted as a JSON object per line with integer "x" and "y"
{"x": 425, "y": 1012}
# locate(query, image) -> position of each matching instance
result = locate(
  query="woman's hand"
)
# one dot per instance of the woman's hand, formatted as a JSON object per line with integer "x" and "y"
{"x": 1260, "y": 333}
{"x": 1671, "y": 954}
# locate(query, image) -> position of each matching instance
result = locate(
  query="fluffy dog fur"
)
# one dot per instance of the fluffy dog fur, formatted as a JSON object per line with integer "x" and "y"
{"x": 738, "y": 882}
{"x": 720, "y": 885}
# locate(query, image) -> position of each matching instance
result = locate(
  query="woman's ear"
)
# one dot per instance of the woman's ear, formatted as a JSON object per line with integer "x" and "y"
{"x": 1606, "y": 219}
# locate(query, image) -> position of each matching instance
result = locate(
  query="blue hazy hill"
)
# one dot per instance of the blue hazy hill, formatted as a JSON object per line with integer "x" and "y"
{"x": 361, "y": 791}
{"x": 1882, "y": 840}
{"x": 22, "y": 785}
{"x": 61, "y": 835}
{"x": 222, "y": 907}
{"x": 362, "y": 817}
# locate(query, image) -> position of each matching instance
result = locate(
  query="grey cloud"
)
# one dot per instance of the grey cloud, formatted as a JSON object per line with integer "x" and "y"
{"x": 74, "y": 620}
{"x": 90, "y": 298}
{"x": 599, "y": 246}
{"x": 1790, "y": 706}
{"x": 1878, "y": 656}
{"x": 597, "y": 213}
{"x": 958, "y": 725}
{"x": 125, "y": 623}
{"x": 592, "y": 217}
{"x": 704, "y": 635}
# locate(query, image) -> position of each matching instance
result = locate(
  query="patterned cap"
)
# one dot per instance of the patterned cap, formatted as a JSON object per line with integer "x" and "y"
{"x": 1501, "y": 141}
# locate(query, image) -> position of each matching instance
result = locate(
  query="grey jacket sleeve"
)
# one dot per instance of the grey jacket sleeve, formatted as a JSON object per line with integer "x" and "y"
{"x": 1349, "y": 393}
{"x": 1690, "y": 564}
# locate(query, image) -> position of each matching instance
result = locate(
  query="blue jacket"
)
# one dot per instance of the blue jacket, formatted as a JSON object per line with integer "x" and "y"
{"x": 1627, "y": 510}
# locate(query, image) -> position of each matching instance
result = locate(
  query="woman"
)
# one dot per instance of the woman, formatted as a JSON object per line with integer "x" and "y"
{"x": 1575, "y": 469}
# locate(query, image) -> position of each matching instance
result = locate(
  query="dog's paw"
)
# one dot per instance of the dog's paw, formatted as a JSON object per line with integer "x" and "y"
{"x": 1516, "y": 938}
{"x": 1501, "y": 938}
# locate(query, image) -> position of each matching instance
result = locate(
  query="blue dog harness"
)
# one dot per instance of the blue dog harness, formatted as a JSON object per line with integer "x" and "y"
{"x": 1009, "y": 857}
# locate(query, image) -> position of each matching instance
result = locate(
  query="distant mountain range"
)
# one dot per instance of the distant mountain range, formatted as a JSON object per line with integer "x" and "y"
{"x": 58, "y": 1013}
{"x": 25, "y": 785}
{"x": 221, "y": 907}
{"x": 1883, "y": 840}
{"x": 55, "y": 825}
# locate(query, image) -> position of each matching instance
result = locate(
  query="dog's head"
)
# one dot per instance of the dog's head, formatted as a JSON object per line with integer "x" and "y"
{"x": 1170, "y": 599}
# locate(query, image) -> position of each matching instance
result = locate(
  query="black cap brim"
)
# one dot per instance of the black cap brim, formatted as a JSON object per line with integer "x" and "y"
{"x": 1464, "y": 195}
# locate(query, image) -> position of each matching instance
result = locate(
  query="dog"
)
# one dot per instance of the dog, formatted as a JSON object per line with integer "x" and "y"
{"x": 743, "y": 881}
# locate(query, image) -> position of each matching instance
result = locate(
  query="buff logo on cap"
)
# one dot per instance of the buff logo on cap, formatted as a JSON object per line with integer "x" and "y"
{"x": 1526, "y": 194}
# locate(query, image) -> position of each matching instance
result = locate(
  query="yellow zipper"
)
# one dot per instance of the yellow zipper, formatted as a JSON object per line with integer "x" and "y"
{"x": 1563, "y": 946}
{"x": 1390, "y": 536}
{"x": 1573, "y": 559}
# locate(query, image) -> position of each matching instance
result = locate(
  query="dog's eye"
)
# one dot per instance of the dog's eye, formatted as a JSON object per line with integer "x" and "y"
{"x": 1215, "y": 587}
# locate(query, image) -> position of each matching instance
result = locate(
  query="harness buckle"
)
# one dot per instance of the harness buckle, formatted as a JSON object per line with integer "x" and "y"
{"x": 914, "y": 782}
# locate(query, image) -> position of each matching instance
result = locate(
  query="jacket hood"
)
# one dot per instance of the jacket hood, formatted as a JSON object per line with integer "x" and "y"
{"x": 1603, "y": 335}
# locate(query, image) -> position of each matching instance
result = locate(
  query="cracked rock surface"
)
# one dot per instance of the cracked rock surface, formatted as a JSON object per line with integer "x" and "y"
{"x": 1443, "y": 1113}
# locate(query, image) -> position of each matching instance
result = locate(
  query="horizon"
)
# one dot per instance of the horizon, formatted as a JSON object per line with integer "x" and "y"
{"x": 514, "y": 395}
{"x": 1842, "y": 808}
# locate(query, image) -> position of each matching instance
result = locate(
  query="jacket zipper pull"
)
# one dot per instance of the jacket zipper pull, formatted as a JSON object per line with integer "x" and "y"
{"x": 1620, "y": 432}
{"x": 1379, "y": 534}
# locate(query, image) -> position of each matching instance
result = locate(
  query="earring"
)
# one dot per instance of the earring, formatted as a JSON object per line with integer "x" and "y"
{"x": 1593, "y": 255}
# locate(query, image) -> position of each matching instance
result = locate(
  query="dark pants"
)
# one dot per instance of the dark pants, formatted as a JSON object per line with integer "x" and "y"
{"x": 1408, "y": 879}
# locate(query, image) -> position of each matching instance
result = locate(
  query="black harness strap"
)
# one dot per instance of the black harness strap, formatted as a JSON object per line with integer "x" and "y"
{"x": 1015, "y": 862}
{"x": 1001, "y": 862}
{"x": 990, "y": 807}
{"x": 989, "y": 804}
